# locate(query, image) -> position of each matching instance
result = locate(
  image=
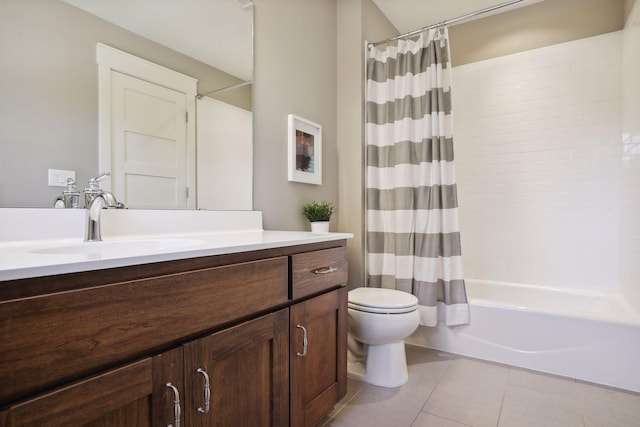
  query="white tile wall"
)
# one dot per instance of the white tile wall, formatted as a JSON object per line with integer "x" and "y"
{"x": 630, "y": 226}
{"x": 538, "y": 153}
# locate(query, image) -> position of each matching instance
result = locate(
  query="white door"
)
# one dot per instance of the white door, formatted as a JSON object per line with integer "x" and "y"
{"x": 149, "y": 144}
{"x": 144, "y": 138}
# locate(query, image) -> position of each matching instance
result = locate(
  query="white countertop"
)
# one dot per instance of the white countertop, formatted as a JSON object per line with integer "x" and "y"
{"x": 31, "y": 259}
{"x": 197, "y": 234}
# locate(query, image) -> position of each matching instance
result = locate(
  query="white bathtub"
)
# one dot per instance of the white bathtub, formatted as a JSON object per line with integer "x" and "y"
{"x": 585, "y": 335}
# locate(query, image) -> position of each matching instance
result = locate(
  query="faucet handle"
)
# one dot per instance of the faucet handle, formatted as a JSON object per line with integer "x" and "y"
{"x": 93, "y": 182}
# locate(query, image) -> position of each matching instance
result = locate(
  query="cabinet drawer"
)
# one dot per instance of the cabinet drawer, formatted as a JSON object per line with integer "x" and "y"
{"x": 88, "y": 399}
{"x": 48, "y": 340}
{"x": 314, "y": 272}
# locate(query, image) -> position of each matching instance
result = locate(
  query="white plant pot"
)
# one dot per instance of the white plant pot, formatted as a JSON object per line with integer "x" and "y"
{"x": 320, "y": 227}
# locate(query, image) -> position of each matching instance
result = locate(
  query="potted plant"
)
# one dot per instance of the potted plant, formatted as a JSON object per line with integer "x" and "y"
{"x": 318, "y": 214}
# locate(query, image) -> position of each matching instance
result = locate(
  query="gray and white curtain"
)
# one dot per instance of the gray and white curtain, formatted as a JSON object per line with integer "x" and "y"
{"x": 413, "y": 235}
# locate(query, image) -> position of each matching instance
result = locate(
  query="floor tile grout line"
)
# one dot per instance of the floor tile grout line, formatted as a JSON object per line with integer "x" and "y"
{"x": 424, "y": 403}
{"x": 504, "y": 395}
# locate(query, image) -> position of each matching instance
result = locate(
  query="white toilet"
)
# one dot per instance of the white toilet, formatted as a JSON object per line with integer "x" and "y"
{"x": 379, "y": 321}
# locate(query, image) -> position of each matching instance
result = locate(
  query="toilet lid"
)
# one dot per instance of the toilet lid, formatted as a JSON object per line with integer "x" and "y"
{"x": 380, "y": 300}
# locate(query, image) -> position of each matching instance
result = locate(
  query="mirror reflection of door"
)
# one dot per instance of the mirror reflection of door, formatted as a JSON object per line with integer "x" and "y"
{"x": 146, "y": 131}
{"x": 149, "y": 144}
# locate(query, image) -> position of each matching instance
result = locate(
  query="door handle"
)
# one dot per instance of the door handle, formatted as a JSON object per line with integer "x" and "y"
{"x": 176, "y": 406}
{"x": 304, "y": 341}
{"x": 207, "y": 392}
{"x": 325, "y": 270}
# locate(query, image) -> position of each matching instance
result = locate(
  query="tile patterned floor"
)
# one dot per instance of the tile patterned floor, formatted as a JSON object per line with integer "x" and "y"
{"x": 446, "y": 390}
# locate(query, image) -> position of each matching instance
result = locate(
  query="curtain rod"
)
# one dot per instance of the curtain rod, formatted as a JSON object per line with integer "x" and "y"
{"x": 447, "y": 22}
{"x": 224, "y": 89}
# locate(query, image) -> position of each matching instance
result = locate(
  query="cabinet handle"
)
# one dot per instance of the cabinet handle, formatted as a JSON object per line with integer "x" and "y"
{"x": 207, "y": 392}
{"x": 304, "y": 341}
{"x": 325, "y": 270}
{"x": 176, "y": 406}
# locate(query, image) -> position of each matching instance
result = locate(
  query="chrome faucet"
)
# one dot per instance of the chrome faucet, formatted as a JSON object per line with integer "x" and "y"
{"x": 96, "y": 199}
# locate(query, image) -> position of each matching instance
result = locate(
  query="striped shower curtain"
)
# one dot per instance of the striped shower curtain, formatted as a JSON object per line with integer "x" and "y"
{"x": 413, "y": 235}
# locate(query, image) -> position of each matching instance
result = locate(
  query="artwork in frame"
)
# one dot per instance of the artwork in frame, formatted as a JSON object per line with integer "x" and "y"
{"x": 305, "y": 151}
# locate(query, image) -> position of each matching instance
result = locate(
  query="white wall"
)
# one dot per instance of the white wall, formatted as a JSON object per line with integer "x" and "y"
{"x": 630, "y": 226}
{"x": 225, "y": 156}
{"x": 538, "y": 152}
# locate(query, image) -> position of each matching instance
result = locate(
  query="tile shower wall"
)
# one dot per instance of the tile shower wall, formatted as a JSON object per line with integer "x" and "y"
{"x": 630, "y": 227}
{"x": 538, "y": 151}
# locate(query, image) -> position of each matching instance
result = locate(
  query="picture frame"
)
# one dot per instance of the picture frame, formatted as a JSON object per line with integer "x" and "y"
{"x": 305, "y": 151}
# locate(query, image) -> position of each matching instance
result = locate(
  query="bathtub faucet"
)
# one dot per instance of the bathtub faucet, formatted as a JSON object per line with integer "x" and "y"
{"x": 95, "y": 200}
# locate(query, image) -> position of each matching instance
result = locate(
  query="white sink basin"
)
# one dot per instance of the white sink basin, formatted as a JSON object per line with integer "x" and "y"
{"x": 118, "y": 246}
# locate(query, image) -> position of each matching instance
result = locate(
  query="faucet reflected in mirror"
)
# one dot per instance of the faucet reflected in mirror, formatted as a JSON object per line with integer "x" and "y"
{"x": 96, "y": 199}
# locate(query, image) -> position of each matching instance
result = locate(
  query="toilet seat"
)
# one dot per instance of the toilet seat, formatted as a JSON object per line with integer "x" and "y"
{"x": 381, "y": 300}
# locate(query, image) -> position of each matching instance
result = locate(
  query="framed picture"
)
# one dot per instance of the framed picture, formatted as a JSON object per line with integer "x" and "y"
{"x": 305, "y": 151}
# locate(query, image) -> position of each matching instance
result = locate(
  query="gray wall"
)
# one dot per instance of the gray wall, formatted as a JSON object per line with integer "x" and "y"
{"x": 358, "y": 20}
{"x": 49, "y": 93}
{"x": 294, "y": 72}
{"x": 309, "y": 60}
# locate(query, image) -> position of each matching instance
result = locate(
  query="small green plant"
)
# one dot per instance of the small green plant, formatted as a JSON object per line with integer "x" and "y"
{"x": 318, "y": 211}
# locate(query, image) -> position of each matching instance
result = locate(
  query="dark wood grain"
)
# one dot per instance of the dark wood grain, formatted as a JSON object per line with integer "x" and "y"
{"x": 248, "y": 370}
{"x": 123, "y": 392}
{"x": 52, "y": 339}
{"x": 168, "y": 367}
{"x": 318, "y": 380}
{"x": 306, "y": 281}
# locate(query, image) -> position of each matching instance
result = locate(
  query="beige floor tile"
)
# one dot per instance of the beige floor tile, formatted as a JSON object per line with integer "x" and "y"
{"x": 464, "y": 370}
{"x": 353, "y": 388}
{"x": 603, "y": 407}
{"x": 530, "y": 408}
{"x": 427, "y": 363}
{"x": 384, "y": 407}
{"x": 429, "y": 420}
{"x": 472, "y": 401}
{"x": 461, "y": 392}
{"x": 541, "y": 382}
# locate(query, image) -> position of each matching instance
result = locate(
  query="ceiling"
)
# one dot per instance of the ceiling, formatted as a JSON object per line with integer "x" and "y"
{"x": 409, "y": 15}
{"x": 216, "y": 32}
{"x": 196, "y": 28}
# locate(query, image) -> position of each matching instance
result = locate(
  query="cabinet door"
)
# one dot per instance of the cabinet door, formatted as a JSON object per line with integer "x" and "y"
{"x": 167, "y": 400}
{"x": 121, "y": 397}
{"x": 318, "y": 334}
{"x": 239, "y": 376}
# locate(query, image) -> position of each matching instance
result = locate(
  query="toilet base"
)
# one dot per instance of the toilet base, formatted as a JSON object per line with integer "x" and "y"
{"x": 384, "y": 365}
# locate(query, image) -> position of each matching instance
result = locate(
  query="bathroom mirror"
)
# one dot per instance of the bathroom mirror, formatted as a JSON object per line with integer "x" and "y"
{"x": 49, "y": 78}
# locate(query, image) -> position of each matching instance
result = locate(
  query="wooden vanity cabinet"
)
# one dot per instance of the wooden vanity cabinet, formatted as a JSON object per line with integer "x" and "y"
{"x": 114, "y": 398}
{"x": 239, "y": 376}
{"x": 123, "y": 352}
{"x": 318, "y": 334}
{"x": 235, "y": 377}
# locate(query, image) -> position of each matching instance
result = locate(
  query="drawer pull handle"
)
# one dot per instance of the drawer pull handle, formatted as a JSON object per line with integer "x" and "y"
{"x": 304, "y": 341}
{"x": 325, "y": 270}
{"x": 207, "y": 392}
{"x": 176, "y": 406}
